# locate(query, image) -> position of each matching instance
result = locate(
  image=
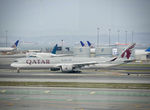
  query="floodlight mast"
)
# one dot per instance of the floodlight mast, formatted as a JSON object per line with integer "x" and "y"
{"x": 109, "y": 35}
{"x": 98, "y": 29}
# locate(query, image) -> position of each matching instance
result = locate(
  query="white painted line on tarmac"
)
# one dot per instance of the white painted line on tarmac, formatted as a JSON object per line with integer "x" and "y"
{"x": 3, "y": 91}
{"x": 93, "y": 92}
{"x": 46, "y": 91}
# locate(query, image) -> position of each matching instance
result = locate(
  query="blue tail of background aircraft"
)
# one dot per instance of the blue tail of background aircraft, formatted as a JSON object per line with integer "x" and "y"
{"x": 148, "y": 49}
{"x": 15, "y": 44}
{"x": 54, "y": 49}
{"x": 89, "y": 44}
{"x": 82, "y": 44}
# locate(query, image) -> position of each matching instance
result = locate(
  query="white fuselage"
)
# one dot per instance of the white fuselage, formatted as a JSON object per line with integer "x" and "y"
{"x": 44, "y": 55}
{"x": 5, "y": 49}
{"x": 56, "y": 62}
{"x": 34, "y": 54}
{"x": 140, "y": 52}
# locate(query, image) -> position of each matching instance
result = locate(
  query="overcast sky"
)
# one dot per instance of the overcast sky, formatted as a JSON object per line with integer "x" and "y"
{"x": 74, "y": 20}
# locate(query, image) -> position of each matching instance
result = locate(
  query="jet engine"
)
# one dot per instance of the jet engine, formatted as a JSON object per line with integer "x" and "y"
{"x": 55, "y": 69}
{"x": 67, "y": 68}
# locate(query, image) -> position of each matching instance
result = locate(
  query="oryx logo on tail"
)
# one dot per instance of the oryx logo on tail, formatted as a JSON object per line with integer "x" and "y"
{"x": 128, "y": 51}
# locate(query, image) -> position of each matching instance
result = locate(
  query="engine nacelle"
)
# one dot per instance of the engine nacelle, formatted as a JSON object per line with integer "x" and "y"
{"x": 66, "y": 68}
{"x": 55, "y": 69}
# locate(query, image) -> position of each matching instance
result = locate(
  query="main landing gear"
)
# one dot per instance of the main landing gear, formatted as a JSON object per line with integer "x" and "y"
{"x": 18, "y": 70}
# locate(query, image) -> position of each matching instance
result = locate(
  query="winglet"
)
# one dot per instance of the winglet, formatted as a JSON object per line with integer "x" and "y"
{"x": 127, "y": 52}
{"x": 113, "y": 59}
{"x": 54, "y": 49}
{"x": 15, "y": 44}
{"x": 89, "y": 44}
{"x": 148, "y": 49}
{"x": 82, "y": 44}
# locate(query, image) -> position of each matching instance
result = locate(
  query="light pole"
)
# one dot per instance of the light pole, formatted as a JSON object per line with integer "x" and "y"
{"x": 118, "y": 36}
{"x": 109, "y": 36}
{"x": 126, "y": 37}
{"x": 62, "y": 41}
{"x": 98, "y": 36}
{"x": 6, "y": 37}
{"x": 132, "y": 36}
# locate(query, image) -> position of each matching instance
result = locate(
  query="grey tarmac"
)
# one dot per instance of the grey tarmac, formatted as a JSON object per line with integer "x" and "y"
{"x": 52, "y": 98}
{"x": 99, "y": 77}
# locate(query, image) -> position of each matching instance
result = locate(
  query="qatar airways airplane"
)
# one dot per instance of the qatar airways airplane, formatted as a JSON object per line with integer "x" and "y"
{"x": 8, "y": 49}
{"x": 74, "y": 64}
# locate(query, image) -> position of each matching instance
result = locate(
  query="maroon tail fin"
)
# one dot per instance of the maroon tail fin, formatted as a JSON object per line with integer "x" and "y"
{"x": 127, "y": 52}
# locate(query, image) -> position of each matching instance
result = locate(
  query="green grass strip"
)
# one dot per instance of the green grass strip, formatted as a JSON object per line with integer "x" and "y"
{"x": 78, "y": 85}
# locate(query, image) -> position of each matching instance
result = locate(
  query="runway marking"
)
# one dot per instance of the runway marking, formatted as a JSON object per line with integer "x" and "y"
{"x": 46, "y": 91}
{"x": 93, "y": 92}
{"x": 81, "y": 92}
{"x": 3, "y": 91}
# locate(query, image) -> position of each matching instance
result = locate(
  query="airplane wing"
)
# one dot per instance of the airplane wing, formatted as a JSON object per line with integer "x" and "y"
{"x": 77, "y": 65}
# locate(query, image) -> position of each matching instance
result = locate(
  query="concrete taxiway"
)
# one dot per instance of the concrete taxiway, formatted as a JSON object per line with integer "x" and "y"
{"x": 46, "y": 98}
{"x": 100, "y": 77}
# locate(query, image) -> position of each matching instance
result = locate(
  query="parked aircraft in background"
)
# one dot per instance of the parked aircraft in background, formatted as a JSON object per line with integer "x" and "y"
{"x": 82, "y": 44}
{"x": 92, "y": 48}
{"x": 142, "y": 51}
{"x": 42, "y": 54}
{"x": 8, "y": 49}
{"x": 46, "y": 55}
{"x": 73, "y": 64}
{"x": 147, "y": 50}
{"x": 89, "y": 44}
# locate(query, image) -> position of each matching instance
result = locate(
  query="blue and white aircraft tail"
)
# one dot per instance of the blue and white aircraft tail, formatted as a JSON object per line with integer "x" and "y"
{"x": 15, "y": 44}
{"x": 82, "y": 44}
{"x": 46, "y": 55}
{"x": 89, "y": 44}
{"x": 54, "y": 49}
{"x": 8, "y": 49}
{"x": 147, "y": 50}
